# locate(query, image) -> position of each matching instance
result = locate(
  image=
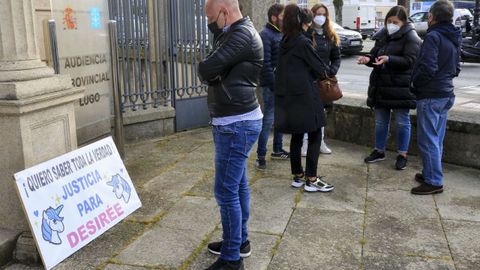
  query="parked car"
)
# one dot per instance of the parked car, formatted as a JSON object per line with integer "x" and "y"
{"x": 460, "y": 18}
{"x": 351, "y": 42}
{"x": 420, "y": 20}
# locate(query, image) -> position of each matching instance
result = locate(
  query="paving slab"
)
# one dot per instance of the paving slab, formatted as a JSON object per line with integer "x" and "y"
{"x": 384, "y": 176}
{"x": 348, "y": 195}
{"x": 18, "y": 266}
{"x": 204, "y": 187}
{"x": 271, "y": 206}
{"x": 377, "y": 261}
{"x": 154, "y": 205}
{"x": 172, "y": 240}
{"x": 124, "y": 267}
{"x": 262, "y": 252}
{"x": 160, "y": 193}
{"x": 399, "y": 223}
{"x": 196, "y": 214}
{"x": 319, "y": 239}
{"x": 461, "y": 198}
{"x": 401, "y": 205}
{"x": 464, "y": 240}
{"x": 344, "y": 155}
{"x": 396, "y": 236}
{"x": 102, "y": 249}
{"x": 199, "y": 159}
{"x": 161, "y": 247}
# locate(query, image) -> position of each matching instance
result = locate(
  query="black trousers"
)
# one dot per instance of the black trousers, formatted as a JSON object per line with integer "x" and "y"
{"x": 314, "y": 141}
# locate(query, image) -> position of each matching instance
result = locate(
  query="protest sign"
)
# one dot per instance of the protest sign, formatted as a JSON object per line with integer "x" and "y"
{"x": 72, "y": 199}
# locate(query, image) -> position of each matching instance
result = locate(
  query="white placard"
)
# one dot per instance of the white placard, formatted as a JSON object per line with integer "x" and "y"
{"x": 72, "y": 199}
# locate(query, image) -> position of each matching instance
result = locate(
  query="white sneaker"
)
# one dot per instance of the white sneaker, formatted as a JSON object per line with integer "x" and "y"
{"x": 318, "y": 185}
{"x": 298, "y": 182}
{"x": 324, "y": 148}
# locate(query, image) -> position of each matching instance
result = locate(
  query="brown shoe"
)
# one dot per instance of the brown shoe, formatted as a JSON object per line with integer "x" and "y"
{"x": 419, "y": 178}
{"x": 427, "y": 189}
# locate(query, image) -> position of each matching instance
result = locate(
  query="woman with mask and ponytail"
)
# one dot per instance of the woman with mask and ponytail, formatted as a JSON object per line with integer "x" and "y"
{"x": 392, "y": 59}
{"x": 325, "y": 41}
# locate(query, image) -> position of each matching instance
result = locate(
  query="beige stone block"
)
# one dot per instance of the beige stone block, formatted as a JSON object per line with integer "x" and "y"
{"x": 33, "y": 130}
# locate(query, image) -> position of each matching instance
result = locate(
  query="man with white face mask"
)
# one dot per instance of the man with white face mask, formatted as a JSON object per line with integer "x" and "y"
{"x": 392, "y": 60}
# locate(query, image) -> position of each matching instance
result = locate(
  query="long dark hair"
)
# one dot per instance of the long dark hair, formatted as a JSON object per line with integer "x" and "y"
{"x": 400, "y": 12}
{"x": 293, "y": 19}
{"x": 327, "y": 26}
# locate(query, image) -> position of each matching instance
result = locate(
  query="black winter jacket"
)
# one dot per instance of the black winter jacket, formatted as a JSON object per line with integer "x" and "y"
{"x": 438, "y": 62}
{"x": 232, "y": 70}
{"x": 271, "y": 38}
{"x": 298, "y": 108}
{"x": 328, "y": 51}
{"x": 390, "y": 83}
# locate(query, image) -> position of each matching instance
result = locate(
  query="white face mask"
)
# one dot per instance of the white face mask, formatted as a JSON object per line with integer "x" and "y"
{"x": 319, "y": 20}
{"x": 392, "y": 28}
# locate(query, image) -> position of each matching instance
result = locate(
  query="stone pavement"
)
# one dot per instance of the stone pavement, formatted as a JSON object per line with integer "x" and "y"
{"x": 370, "y": 220}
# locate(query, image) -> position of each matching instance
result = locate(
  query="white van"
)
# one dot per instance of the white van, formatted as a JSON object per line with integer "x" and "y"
{"x": 361, "y": 18}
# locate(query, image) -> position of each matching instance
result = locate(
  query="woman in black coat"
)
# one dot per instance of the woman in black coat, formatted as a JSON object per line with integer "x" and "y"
{"x": 392, "y": 59}
{"x": 326, "y": 43}
{"x": 298, "y": 108}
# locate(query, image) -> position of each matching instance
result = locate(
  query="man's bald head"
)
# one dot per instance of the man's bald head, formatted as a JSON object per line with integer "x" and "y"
{"x": 228, "y": 3}
{"x": 230, "y": 9}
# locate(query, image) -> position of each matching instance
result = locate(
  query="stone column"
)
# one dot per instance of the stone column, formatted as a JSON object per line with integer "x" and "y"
{"x": 37, "y": 120}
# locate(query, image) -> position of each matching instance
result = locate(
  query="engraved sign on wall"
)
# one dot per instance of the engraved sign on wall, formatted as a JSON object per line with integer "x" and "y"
{"x": 84, "y": 53}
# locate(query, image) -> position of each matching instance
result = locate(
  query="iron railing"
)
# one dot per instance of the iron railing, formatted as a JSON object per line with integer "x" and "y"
{"x": 160, "y": 43}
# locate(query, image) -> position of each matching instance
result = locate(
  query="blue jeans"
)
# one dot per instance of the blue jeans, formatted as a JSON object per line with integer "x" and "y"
{"x": 268, "y": 114}
{"x": 431, "y": 125}
{"x": 232, "y": 146}
{"x": 382, "y": 124}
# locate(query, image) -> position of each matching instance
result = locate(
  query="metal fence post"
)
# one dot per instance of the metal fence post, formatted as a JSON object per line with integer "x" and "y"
{"x": 52, "y": 33}
{"x": 118, "y": 120}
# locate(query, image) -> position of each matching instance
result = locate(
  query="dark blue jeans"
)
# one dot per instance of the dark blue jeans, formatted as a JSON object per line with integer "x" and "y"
{"x": 232, "y": 146}
{"x": 382, "y": 124}
{"x": 431, "y": 124}
{"x": 268, "y": 114}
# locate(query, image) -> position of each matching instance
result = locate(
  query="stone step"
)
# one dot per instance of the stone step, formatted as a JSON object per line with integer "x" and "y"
{"x": 8, "y": 240}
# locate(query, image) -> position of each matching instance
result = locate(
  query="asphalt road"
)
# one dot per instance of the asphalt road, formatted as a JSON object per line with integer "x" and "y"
{"x": 353, "y": 80}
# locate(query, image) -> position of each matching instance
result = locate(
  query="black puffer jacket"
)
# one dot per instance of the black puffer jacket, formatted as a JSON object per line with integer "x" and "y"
{"x": 390, "y": 82}
{"x": 298, "y": 108}
{"x": 328, "y": 51}
{"x": 232, "y": 70}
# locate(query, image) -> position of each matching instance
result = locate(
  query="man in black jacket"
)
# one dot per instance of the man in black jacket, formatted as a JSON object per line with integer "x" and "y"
{"x": 432, "y": 79}
{"x": 231, "y": 71}
{"x": 271, "y": 37}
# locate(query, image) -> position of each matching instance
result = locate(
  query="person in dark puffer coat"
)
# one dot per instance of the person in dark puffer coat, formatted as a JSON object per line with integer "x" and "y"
{"x": 271, "y": 36}
{"x": 392, "y": 59}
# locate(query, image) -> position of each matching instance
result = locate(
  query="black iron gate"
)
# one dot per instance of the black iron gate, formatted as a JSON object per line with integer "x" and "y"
{"x": 160, "y": 43}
